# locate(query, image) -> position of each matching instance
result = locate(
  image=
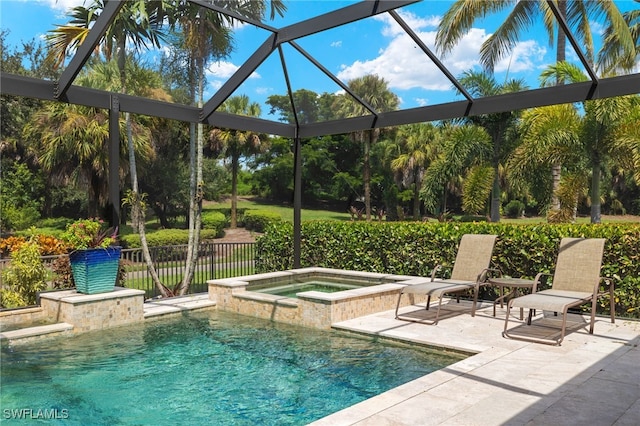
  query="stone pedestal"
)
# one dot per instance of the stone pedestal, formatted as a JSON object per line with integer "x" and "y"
{"x": 94, "y": 311}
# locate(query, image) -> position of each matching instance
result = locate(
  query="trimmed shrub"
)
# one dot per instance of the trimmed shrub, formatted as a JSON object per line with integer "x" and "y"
{"x": 514, "y": 209}
{"x": 165, "y": 237}
{"x": 416, "y": 248}
{"x": 215, "y": 221}
{"x": 257, "y": 220}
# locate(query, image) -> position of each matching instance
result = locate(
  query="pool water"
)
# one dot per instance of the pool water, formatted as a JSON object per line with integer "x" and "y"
{"x": 205, "y": 367}
{"x": 290, "y": 290}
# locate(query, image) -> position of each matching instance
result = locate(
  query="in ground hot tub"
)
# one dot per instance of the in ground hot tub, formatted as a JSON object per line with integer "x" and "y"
{"x": 313, "y": 297}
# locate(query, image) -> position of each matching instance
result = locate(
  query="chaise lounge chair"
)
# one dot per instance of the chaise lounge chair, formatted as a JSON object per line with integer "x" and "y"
{"x": 469, "y": 273}
{"x": 576, "y": 281}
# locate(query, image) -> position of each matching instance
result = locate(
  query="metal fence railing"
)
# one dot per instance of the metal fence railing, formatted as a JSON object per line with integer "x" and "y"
{"x": 215, "y": 260}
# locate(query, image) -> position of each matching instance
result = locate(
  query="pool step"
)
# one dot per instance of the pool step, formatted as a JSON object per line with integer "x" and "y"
{"x": 38, "y": 331}
{"x": 177, "y": 304}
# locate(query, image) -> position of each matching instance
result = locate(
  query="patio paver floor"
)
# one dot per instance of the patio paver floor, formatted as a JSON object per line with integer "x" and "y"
{"x": 590, "y": 379}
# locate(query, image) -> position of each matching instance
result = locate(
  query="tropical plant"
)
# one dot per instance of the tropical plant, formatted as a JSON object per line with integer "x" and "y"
{"x": 599, "y": 129}
{"x": 416, "y": 146}
{"x": 235, "y": 143}
{"x": 89, "y": 233}
{"x": 463, "y": 147}
{"x": 373, "y": 90}
{"x": 25, "y": 276}
{"x": 460, "y": 17}
{"x": 550, "y": 135}
{"x": 137, "y": 23}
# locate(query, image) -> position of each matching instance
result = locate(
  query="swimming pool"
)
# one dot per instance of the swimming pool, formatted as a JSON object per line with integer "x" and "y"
{"x": 206, "y": 367}
{"x": 323, "y": 285}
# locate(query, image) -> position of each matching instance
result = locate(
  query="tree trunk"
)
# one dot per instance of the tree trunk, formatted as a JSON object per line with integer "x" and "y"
{"x": 596, "y": 216}
{"x": 137, "y": 212}
{"x": 234, "y": 191}
{"x": 195, "y": 192}
{"x": 366, "y": 174}
{"x": 556, "y": 169}
{"x": 495, "y": 196}
{"x": 416, "y": 201}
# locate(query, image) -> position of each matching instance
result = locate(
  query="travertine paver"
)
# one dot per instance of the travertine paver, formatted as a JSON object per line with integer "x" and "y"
{"x": 590, "y": 379}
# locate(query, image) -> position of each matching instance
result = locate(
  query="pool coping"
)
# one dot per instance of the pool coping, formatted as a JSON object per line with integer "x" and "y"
{"x": 506, "y": 382}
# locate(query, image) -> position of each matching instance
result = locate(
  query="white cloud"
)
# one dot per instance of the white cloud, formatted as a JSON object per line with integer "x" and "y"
{"x": 524, "y": 57}
{"x": 421, "y": 101}
{"x": 224, "y": 70}
{"x": 336, "y": 43}
{"x": 403, "y": 64}
{"x": 62, "y": 6}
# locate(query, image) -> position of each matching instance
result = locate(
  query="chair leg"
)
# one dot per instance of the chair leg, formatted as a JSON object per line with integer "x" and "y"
{"x": 475, "y": 301}
{"x": 428, "y": 302}
{"x": 438, "y": 311}
{"x": 530, "y": 316}
{"x": 593, "y": 313}
{"x": 398, "y": 304}
{"x": 612, "y": 304}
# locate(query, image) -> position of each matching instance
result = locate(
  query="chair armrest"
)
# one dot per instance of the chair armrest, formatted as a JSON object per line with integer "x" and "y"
{"x": 434, "y": 270}
{"x": 536, "y": 280}
{"x": 484, "y": 275}
{"x": 607, "y": 282}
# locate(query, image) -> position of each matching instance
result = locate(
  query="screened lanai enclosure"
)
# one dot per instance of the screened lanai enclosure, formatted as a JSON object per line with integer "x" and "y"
{"x": 321, "y": 45}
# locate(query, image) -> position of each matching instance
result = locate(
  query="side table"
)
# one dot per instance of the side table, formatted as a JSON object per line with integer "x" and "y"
{"x": 514, "y": 284}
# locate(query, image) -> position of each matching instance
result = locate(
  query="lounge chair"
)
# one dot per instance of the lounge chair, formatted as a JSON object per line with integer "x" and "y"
{"x": 469, "y": 273}
{"x": 576, "y": 281}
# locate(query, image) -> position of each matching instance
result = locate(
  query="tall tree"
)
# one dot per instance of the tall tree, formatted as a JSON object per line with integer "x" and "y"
{"x": 235, "y": 143}
{"x": 139, "y": 22}
{"x": 416, "y": 146}
{"x": 599, "y": 133}
{"x": 499, "y": 126}
{"x": 207, "y": 35}
{"x": 459, "y": 19}
{"x": 375, "y": 91}
{"x": 550, "y": 135}
{"x": 464, "y": 153}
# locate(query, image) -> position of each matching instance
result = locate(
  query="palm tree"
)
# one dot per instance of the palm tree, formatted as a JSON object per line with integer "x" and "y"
{"x": 499, "y": 126}
{"x": 550, "y": 135}
{"x": 416, "y": 148}
{"x": 599, "y": 134}
{"x": 374, "y": 91}
{"x": 616, "y": 52}
{"x": 205, "y": 35}
{"x": 137, "y": 23}
{"x": 236, "y": 143}
{"x": 72, "y": 141}
{"x": 459, "y": 19}
{"x": 464, "y": 152}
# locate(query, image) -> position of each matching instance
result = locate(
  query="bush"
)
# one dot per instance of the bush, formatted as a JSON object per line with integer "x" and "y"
{"x": 25, "y": 276}
{"x": 415, "y": 248}
{"x": 514, "y": 209}
{"x": 257, "y": 220}
{"x": 165, "y": 237}
{"x": 214, "y": 221}
{"x": 19, "y": 218}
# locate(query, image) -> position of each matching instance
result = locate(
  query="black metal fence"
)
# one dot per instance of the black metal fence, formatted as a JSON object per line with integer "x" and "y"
{"x": 215, "y": 260}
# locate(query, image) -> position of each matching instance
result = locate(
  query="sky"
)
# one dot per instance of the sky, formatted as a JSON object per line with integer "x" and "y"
{"x": 374, "y": 46}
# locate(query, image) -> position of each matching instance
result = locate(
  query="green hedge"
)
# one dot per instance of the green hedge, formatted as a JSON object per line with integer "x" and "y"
{"x": 214, "y": 221}
{"x": 415, "y": 248}
{"x": 165, "y": 237}
{"x": 258, "y": 220}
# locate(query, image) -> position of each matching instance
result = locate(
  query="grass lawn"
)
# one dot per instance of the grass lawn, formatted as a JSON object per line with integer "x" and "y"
{"x": 286, "y": 212}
